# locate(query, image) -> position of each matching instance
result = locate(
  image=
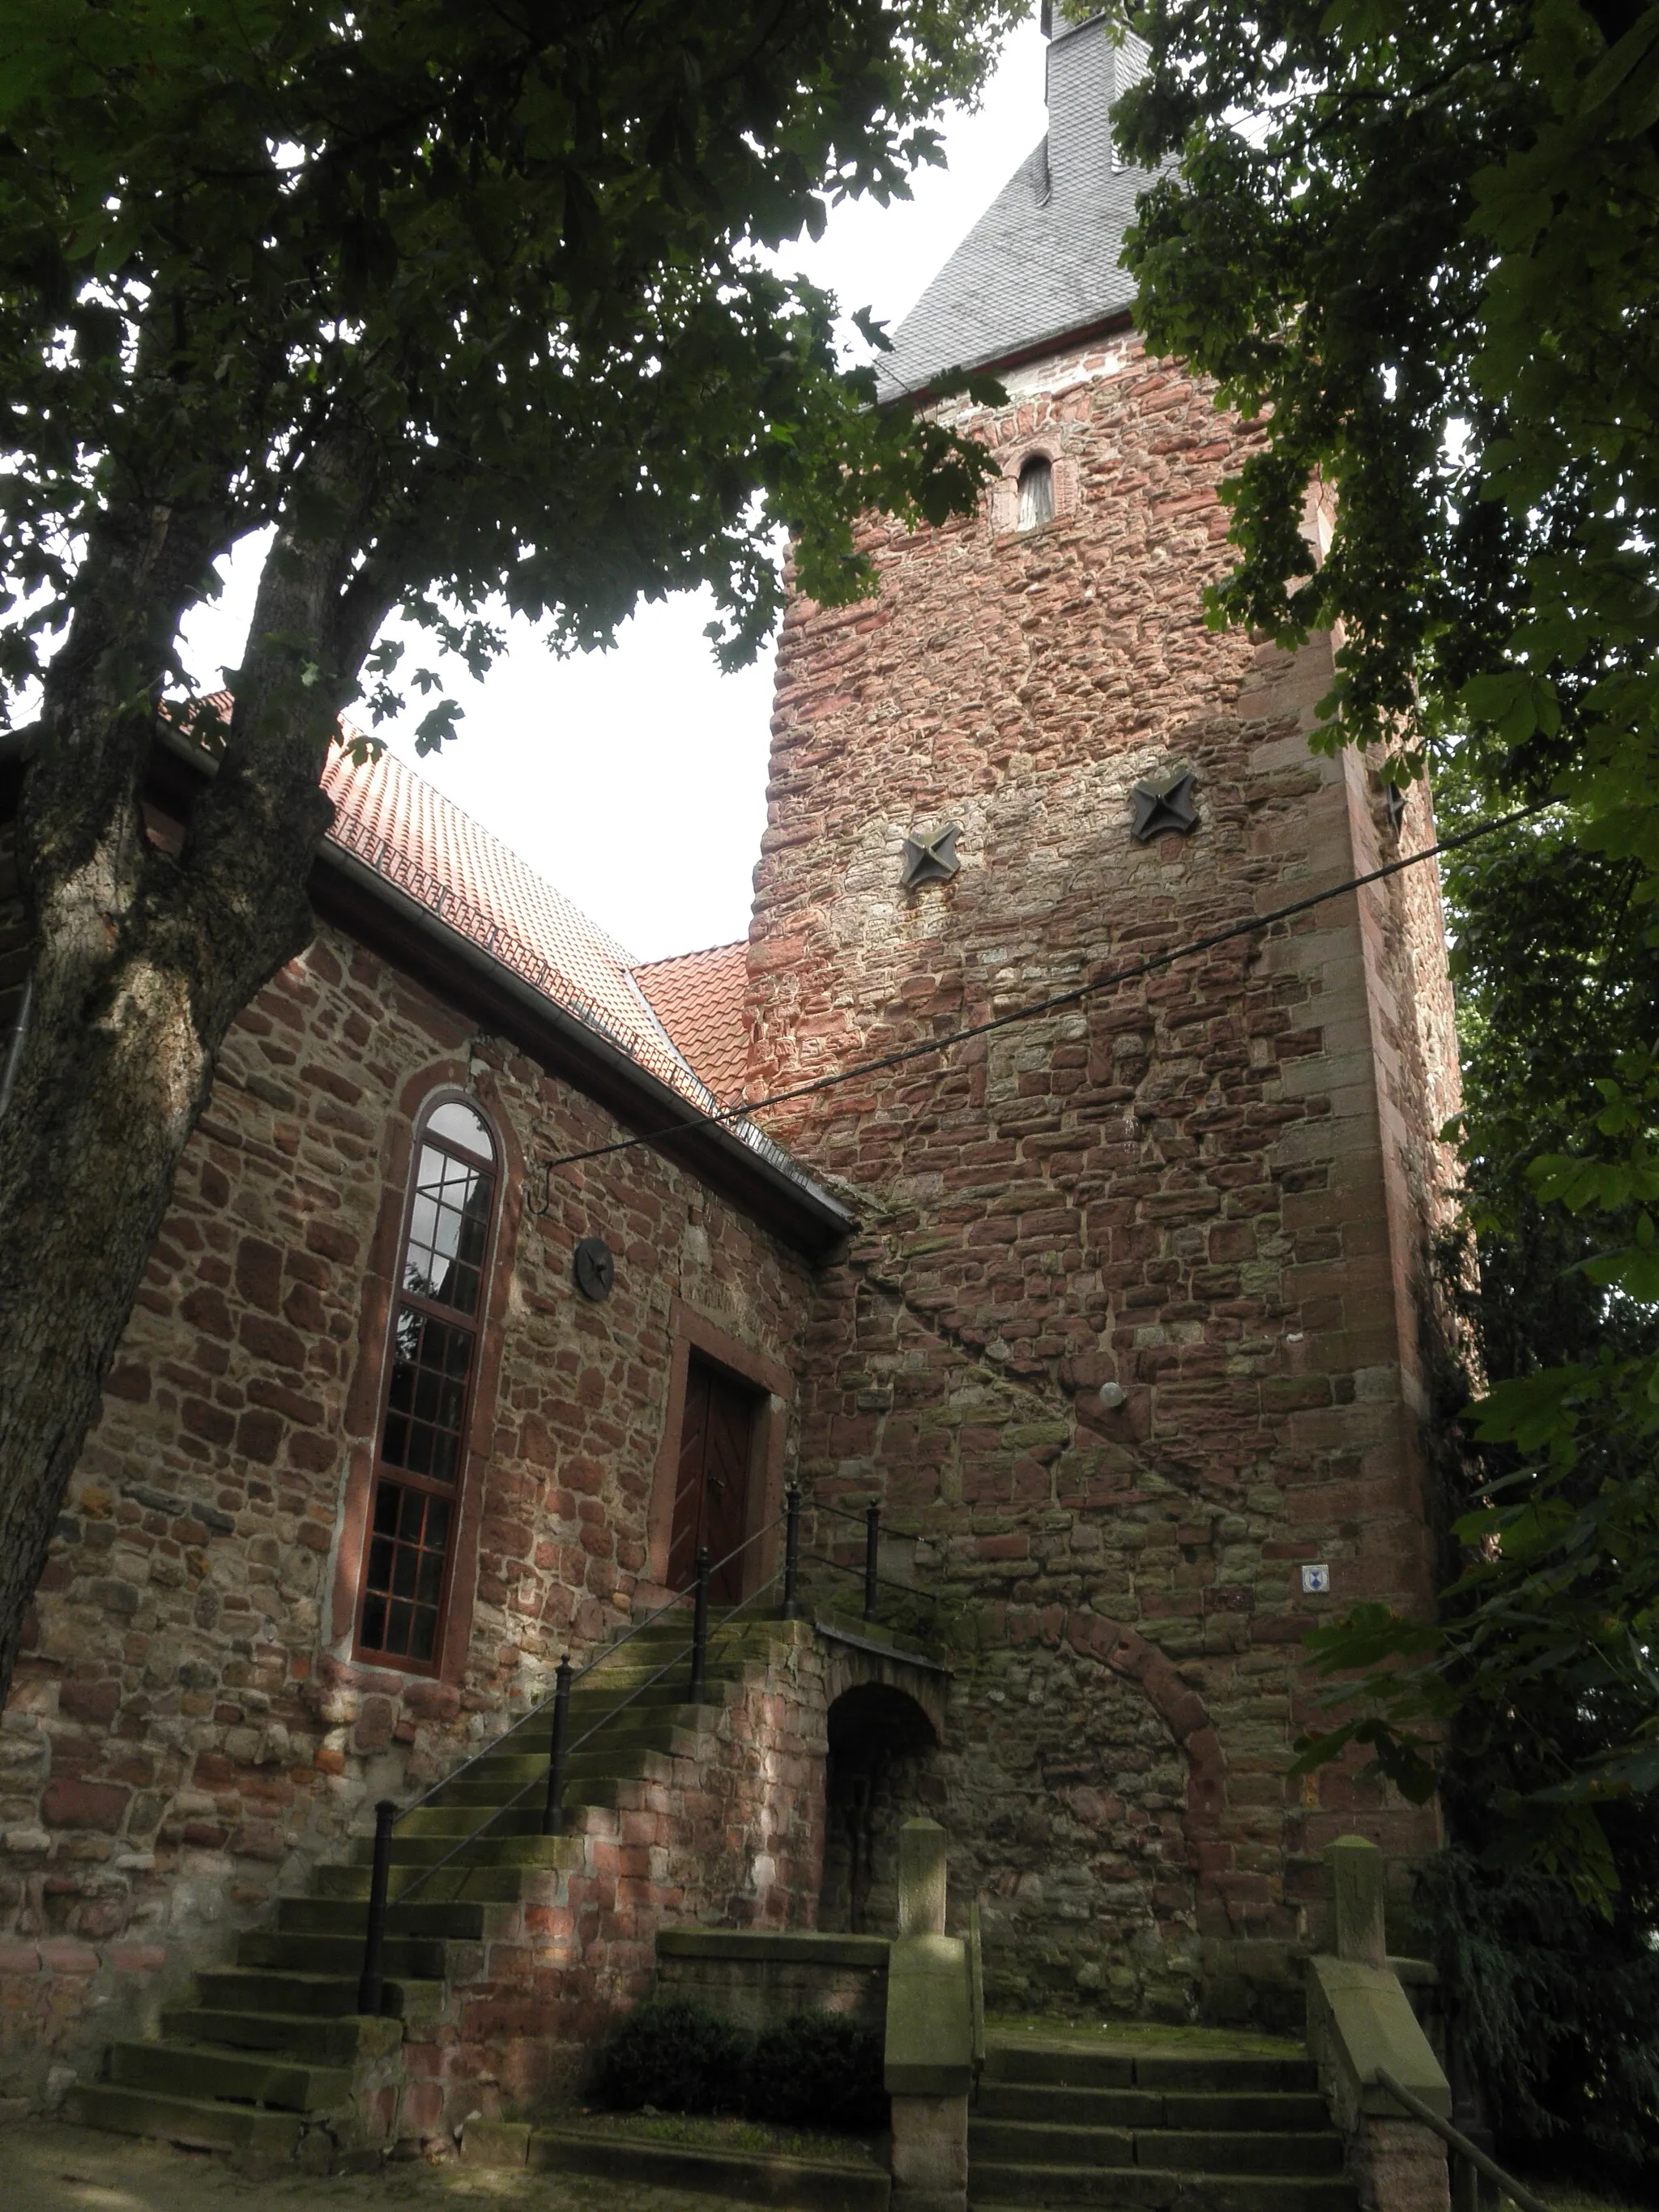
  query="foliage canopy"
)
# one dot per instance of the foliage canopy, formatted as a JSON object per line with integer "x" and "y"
{"x": 515, "y": 254}
{"x": 455, "y": 303}
{"x": 1423, "y": 243}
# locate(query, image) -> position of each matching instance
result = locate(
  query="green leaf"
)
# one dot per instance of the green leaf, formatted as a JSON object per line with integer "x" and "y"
{"x": 1620, "y": 58}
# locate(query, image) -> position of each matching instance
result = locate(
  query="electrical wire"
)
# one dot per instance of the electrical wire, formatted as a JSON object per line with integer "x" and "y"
{"x": 1252, "y": 926}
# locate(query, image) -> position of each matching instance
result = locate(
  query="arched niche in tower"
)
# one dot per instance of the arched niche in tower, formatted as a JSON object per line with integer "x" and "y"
{"x": 882, "y": 1747}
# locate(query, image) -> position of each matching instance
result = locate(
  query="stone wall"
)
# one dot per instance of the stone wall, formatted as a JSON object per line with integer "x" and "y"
{"x": 1208, "y": 1189}
{"x": 188, "y": 1731}
{"x": 763, "y": 1979}
{"x": 725, "y": 1832}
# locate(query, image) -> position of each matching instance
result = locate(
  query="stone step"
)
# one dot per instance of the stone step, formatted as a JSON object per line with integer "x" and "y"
{"x": 1292, "y": 2157}
{"x": 735, "y": 2176}
{"x": 524, "y": 1782}
{"x": 1083, "y": 2066}
{"x": 1044, "y": 2143}
{"x": 263, "y": 2044}
{"x": 1088, "y": 2108}
{"x": 660, "y": 1675}
{"x": 461, "y": 1922}
{"x": 470, "y": 1884}
{"x": 409, "y": 1957}
{"x": 201, "y": 2069}
{"x": 492, "y": 1817}
{"x": 517, "y": 1767}
{"x": 245, "y": 1988}
{"x": 531, "y": 1851}
{"x": 997, "y": 2186}
{"x": 197, "y": 2123}
{"x": 619, "y": 1708}
{"x": 1219, "y": 2075}
{"x": 313, "y": 2040}
{"x": 1282, "y": 2111}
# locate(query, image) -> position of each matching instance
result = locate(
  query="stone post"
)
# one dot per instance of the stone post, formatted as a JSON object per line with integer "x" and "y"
{"x": 930, "y": 2038}
{"x": 921, "y": 1879}
{"x": 1360, "y": 2025}
{"x": 1358, "y": 1875}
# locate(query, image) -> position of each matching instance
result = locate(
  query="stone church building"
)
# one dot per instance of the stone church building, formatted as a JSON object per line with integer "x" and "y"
{"x": 1115, "y": 1313}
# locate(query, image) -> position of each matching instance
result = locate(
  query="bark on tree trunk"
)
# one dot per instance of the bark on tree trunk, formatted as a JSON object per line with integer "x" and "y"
{"x": 141, "y": 964}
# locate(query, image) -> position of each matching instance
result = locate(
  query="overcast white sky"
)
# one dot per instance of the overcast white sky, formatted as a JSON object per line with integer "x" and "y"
{"x": 635, "y": 780}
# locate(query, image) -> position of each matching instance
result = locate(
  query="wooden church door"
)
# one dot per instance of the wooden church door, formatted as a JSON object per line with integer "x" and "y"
{"x": 711, "y": 1497}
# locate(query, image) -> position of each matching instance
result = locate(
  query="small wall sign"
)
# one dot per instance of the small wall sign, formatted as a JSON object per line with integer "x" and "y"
{"x": 1316, "y": 1582}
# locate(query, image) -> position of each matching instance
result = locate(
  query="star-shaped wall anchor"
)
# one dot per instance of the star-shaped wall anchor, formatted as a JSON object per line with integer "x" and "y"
{"x": 1163, "y": 802}
{"x": 930, "y": 859}
{"x": 1394, "y": 805}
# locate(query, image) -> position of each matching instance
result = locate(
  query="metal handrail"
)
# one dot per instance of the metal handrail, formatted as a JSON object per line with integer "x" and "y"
{"x": 976, "y": 1986}
{"x": 604, "y": 1720}
{"x": 371, "y": 1983}
{"x": 599, "y": 1659}
{"x": 1460, "y": 2143}
{"x": 882, "y": 1582}
{"x": 874, "y": 1581}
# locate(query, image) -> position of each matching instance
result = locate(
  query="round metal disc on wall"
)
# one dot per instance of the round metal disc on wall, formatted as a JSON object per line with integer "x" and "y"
{"x": 595, "y": 1269}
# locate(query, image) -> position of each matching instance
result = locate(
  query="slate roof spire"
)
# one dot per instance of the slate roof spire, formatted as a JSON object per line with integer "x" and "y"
{"x": 1041, "y": 261}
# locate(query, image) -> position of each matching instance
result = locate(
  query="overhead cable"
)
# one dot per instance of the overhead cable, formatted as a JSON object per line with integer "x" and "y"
{"x": 1131, "y": 971}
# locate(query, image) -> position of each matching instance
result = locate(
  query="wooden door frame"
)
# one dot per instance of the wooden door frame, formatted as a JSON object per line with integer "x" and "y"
{"x": 689, "y": 1332}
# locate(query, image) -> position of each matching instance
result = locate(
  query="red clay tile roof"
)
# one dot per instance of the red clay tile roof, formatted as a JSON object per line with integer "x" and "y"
{"x": 699, "y": 999}
{"x": 408, "y": 833}
{"x": 411, "y": 834}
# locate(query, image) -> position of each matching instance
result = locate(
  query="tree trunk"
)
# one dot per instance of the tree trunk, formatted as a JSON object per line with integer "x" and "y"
{"x": 141, "y": 964}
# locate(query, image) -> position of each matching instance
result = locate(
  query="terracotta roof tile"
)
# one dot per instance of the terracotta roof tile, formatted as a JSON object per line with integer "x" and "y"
{"x": 699, "y": 998}
{"x": 404, "y": 830}
{"x": 410, "y": 832}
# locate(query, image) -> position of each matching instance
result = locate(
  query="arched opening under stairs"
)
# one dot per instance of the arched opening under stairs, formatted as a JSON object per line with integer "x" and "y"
{"x": 881, "y": 1772}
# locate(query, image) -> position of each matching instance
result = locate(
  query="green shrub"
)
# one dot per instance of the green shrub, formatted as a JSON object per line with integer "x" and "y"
{"x": 819, "y": 2069}
{"x": 678, "y": 2056}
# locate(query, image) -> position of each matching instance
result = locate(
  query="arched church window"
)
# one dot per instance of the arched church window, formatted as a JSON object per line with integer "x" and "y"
{"x": 426, "y": 1404}
{"x": 1036, "y": 493}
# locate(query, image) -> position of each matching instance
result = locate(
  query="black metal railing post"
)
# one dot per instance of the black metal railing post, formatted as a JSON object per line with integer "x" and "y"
{"x": 553, "y": 1807}
{"x": 872, "y": 1555}
{"x": 699, "y": 1631}
{"x": 791, "y": 1553}
{"x": 371, "y": 1985}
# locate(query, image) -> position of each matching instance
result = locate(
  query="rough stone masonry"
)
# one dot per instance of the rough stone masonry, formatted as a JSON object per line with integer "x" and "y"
{"x": 1130, "y": 1332}
{"x": 1208, "y": 1191}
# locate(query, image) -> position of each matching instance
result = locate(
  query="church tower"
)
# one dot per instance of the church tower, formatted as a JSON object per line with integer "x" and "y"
{"x": 1129, "y": 1344}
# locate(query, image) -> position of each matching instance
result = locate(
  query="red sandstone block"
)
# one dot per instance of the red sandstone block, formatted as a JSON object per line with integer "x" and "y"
{"x": 333, "y": 1242}
{"x": 59, "y": 1955}
{"x": 259, "y": 1840}
{"x": 1002, "y": 1547}
{"x": 93, "y": 1703}
{"x": 19, "y": 1958}
{"x": 137, "y": 1958}
{"x": 131, "y": 1381}
{"x": 67, "y": 1803}
{"x": 259, "y": 1272}
{"x": 273, "y": 1341}
{"x": 211, "y": 1423}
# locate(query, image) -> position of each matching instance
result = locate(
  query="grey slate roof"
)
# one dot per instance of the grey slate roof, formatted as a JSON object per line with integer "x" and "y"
{"x": 1042, "y": 258}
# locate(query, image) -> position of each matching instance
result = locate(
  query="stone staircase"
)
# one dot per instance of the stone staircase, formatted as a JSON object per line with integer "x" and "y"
{"x": 1083, "y": 2124}
{"x": 269, "y": 2057}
